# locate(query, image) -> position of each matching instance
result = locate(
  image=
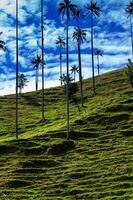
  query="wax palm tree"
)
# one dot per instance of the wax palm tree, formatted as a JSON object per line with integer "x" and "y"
{"x": 74, "y": 69}
{"x": 80, "y": 35}
{"x": 60, "y": 41}
{"x": 98, "y": 53}
{"x": 129, "y": 11}
{"x": 66, "y": 9}
{"x": 37, "y": 61}
{"x": 42, "y": 28}
{"x": 93, "y": 10}
{"x": 17, "y": 52}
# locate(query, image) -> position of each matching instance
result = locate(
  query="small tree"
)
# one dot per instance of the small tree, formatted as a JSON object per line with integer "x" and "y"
{"x": 37, "y": 61}
{"x": 22, "y": 81}
{"x": 64, "y": 79}
{"x": 60, "y": 41}
{"x": 80, "y": 36}
{"x": 129, "y": 72}
{"x": 74, "y": 69}
{"x": 73, "y": 88}
{"x": 98, "y": 53}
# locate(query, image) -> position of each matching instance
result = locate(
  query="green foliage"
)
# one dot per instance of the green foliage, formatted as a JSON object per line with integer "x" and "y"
{"x": 129, "y": 72}
{"x": 73, "y": 89}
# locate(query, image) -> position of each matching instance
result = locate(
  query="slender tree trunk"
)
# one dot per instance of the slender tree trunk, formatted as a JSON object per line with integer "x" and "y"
{"x": 131, "y": 32}
{"x": 67, "y": 85}
{"x": 98, "y": 65}
{"x": 36, "y": 82}
{"x": 92, "y": 53}
{"x": 16, "y": 69}
{"x": 42, "y": 26}
{"x": 74, "y": 76}
{"x": 80, "y": 74}
{"x": 61, "y": 64}
{"x": 80, "y": 66}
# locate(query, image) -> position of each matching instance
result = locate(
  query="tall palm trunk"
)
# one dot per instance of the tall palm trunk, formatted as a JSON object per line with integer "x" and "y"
{"x": 67, "y": 85}
{"x": 80, "y": 68}
{"x": 131, "y": 32}
{"x": 74, "y": 76}
{"x": 36, "y": 78}
{"x": 16, "y": 69}
{"x": 42, "y": 26}
{"x": 80, "y": 73}
{"x": 61, "y": 63}
{"x": 98, "y": 65}
{"x": 92, "y": 53}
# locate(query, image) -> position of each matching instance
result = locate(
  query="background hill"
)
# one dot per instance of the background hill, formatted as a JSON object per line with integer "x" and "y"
{"x": 95, "y": 164}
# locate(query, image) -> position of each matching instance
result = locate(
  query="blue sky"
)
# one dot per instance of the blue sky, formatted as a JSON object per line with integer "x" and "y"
{"x": 112, "y": 35}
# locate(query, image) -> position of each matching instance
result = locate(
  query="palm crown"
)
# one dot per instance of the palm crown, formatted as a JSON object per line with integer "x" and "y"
{"x": 67, "y": 8}
{"x": 60, "y": 41}
{"x": 93, "y": 8}
{"x": 74, "y": 69}
{"x": 37, "y": 61}
{"x": 98, "y": 52}
{"x": 79, "y": 35}
{"x": 129, "y": 8}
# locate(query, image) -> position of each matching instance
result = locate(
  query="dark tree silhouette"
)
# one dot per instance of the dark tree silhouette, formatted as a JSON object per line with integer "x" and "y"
{"x": 22, "y": 82}
{"x": 129, "y": 11}
{"x": 73, "y": 87}
{"x": 98, "y": 53}
{"x": 66, "y": 9}
{"x": 129, "y": 72}
{"x": 64, "y": 79}
{"x": 80, "y": 35}
{"x": 37, "y": 61}
{"x": 93, "y": 10}
{"x": 60, "y": 41}
{"x": 74, "y": 69}
{"x": 2, "y": 44}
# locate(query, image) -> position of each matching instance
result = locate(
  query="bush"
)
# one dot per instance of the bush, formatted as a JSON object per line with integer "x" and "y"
{"x": 129, "y": 72}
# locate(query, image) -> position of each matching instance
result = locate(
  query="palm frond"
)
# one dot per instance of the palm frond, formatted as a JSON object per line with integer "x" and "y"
{"x": 93, "y": 8}
{"x": 129, "y": 8}
{"x": 79, "y": 35}
{"x": 66, "y": 8}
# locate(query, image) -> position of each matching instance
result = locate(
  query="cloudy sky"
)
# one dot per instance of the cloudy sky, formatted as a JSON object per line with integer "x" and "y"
{"x": 112, "y": 35}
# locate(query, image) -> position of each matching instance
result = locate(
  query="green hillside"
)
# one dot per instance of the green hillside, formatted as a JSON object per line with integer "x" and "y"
{"x": 97, "y": 163}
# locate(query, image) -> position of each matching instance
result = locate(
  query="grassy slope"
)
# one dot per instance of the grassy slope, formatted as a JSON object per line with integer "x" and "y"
{"x": 97, "y": 163}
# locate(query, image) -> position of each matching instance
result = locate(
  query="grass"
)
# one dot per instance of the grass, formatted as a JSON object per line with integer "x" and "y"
{"x": 95, "y": 164}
